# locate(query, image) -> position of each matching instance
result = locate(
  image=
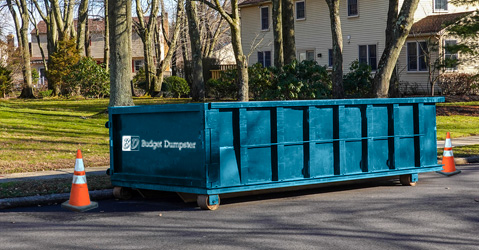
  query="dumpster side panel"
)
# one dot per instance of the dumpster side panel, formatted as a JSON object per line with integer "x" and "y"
{"x": 378, "y": 132}
{"x": 296, "y": 143}
{"x": 159, "y": 148}
{"x": 322, "y": 145}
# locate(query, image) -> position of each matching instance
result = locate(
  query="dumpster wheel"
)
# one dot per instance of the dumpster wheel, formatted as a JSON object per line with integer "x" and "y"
{"x": 405, "y": 180}
{"x": 203, "y": 202}
{"x": 123, "y": 193}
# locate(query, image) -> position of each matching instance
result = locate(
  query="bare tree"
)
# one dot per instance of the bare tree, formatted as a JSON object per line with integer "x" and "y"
{"x": 278, "y": 33}
{"x": 22, "y": 37}
{"x": 82, "y": 28}
{"x": 289, "y": 44}
{"x": 337, "y": 35}
{"x": 234, "y": 22}
{"x": 198, "y": 84}
{"x": 171, "y": 42}
{"x": 120, "y": 24}
{"x": 146, "y": 31}
{"x": 397, "y": 30}
{"x": 106, "y": 53}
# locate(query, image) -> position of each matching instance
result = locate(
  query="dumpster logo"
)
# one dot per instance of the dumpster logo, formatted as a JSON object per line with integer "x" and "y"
{"x": 130, "y": 143}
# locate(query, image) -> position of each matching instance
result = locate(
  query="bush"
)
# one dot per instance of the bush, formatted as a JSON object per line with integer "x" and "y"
{"x": 6, "y": 83}
{"x": 304, "y": 80}
{"x": 459, "y": 84}
{"x": 91, "y": 78}
{"x": 177, "y": 86}
{"x": 224, "y": 87}
{"x": 358, "y": 82}
{"x": 139, "y": 80}
{"x": 35, "y": 76}
{"x": 60, "y": 66}
{"x": 260, "y": 81}
{"x": 45, "y": 93}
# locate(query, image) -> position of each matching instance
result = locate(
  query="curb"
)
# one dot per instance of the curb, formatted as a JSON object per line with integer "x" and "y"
{"x": 462, "y": 160}
{"x": 50, "y": 199}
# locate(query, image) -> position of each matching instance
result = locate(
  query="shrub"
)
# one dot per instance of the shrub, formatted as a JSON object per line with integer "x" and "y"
{"x": 60, "y": 66}
{"x": 139, "y": 80}
{"x": 6, "y": 83}
{"x": 459, "y": 84}
{"x": 35, "y": 76}
{"x": 45, "y": 93}
{"x": 260, "y": 81}
{"x": 358, "y": 82}
{"x": 224, "y": 87}
{"x": 91, "y": 78}
{"x": 304, "y": 80}
{"x": 177, "y": 86}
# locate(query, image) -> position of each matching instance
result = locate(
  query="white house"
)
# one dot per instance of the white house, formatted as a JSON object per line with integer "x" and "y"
{"x": 96, "y": 28}
{"x": 363, "y": 24}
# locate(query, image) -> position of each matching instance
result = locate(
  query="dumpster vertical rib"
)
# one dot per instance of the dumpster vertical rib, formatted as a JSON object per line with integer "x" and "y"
{"x": 340, "y": 150}
{"x": 419, "y": 137}
{"x": 307, "y": 142}
{"x": 395, "y": 119}
{"x": 279, "y": 169}
{"x": 243, "y": 133}
{"x": 214, "y": 166}
{"x": 367, "y": 127}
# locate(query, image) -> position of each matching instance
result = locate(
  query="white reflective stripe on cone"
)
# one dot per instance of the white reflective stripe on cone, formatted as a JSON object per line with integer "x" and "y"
{"x": 447, "y": 153}
{"x": 79, "y": 179}
{"x": 79, "y": 165}
{"x": 448, "y": 143}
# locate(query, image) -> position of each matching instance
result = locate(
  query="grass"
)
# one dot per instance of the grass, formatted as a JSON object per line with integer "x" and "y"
{"x": 459, "y": 126}
{"x": 458, "y": 104}
{"x": 52, "y": 186}
{"x": 462, "y": 151}
{"x": 37, "y": 135}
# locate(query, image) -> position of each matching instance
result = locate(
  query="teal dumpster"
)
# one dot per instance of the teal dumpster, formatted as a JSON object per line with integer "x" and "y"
{"x": 210, "y": 149}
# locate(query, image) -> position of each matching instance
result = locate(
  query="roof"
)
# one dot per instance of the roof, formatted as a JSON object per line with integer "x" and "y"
{"x": 436, "y": 23}
{"x": 252, "y": 2}
{"x": 94, "y": 25}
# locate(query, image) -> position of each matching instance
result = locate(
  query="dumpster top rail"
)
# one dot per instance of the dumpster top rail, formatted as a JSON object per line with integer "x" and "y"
{"x": 268, "y": 104}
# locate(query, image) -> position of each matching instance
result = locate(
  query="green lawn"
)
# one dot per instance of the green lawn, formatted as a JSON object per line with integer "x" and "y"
{"x": 38, "y": 135}
{"x": 459, "y": 126}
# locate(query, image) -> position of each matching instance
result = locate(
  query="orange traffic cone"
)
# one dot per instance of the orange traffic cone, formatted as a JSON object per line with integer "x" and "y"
{"x": 79, "y": 197}
{"x": 448, "y": 159}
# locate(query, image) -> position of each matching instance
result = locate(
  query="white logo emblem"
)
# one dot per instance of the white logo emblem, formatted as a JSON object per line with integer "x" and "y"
{"x": 130, "y": 143}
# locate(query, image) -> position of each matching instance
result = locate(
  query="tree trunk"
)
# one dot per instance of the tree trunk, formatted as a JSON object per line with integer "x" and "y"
{"x": 106, "y": 53}
{"x": 120, "y": 57}
{"x": 198, "y": 84}
{"x": 398, "y": 28}
{"x": 172, "y": 43}
{"x": 337, "y": 35}
{"x": 289, "y": 44}
{"x": 22, "y": 37}
{"x": 278, "y": 34}
{"x": 81, "y": 26}
{"x": 241, "y": 63}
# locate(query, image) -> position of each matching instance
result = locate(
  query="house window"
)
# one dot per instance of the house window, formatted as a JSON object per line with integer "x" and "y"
{"x": 368, "y": 55}
{"x": 352, "y": 7}
{"x": 306, "y": 55}
{"x": 330, "y": 57}
{"x": 300, "y": 10}
{"x": 138, "y": 65}
{"x": 440, "y": 5}
{"x": 417, "y": 56}
{"x": 450, "y": 57}
{"x": 264, "y": 57}
{"x": 264, "y": 18}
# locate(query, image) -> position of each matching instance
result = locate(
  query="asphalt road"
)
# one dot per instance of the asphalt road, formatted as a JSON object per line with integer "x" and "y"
{"x": 439, "y": 213}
